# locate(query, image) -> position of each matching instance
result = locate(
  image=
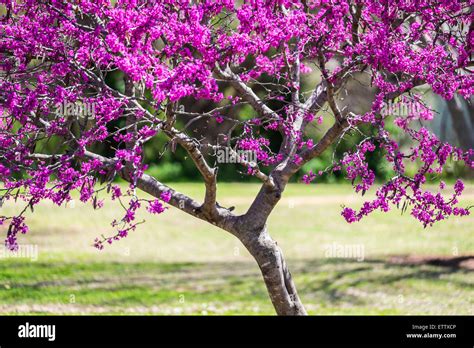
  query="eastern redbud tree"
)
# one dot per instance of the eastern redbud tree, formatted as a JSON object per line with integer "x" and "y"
{"x": 234, "y": 55}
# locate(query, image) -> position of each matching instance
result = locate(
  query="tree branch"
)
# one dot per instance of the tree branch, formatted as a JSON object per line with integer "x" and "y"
{"x": 222, "y": 217}
{"x": 245, "y": 92}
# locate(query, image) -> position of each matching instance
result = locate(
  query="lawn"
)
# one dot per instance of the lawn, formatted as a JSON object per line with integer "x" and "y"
{"x": 175, "y": 264}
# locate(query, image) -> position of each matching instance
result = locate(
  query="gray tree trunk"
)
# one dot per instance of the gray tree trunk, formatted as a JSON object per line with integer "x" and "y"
{"x": 462, "y": 123}
{"x": 277, "y": 277}
{"x": 250, "y": 229}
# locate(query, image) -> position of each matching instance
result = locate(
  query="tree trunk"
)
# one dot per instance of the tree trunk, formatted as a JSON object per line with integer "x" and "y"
{"x": 277, "y": 277}
{"x": 461, "y": 123}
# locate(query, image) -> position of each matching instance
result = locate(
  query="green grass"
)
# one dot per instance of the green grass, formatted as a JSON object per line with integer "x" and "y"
{"x": 175, "y": 264}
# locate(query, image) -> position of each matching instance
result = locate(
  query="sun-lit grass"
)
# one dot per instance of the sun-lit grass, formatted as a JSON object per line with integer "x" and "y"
{"x": 175, "y": 264}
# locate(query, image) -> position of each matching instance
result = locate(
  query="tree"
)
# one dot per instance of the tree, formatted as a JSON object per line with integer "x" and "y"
{"x": 247, "y": 61}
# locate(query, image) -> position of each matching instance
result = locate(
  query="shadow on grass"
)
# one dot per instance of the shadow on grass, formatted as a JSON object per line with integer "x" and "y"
{"x": 386, "y": 276}
{"x": 460, "y": 262}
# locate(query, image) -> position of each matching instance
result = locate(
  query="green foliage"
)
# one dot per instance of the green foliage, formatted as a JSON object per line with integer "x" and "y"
{"x": 167, "y": 171}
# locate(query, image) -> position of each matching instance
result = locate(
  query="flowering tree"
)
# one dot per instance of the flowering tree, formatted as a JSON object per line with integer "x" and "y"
{"x": 57, "y": 54}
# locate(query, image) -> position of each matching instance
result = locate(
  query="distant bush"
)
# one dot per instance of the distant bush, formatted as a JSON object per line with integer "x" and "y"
{"x": 167, "y": 171}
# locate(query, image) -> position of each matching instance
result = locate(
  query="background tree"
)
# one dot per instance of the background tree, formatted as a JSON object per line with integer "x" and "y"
{"x": 244, "y": 64}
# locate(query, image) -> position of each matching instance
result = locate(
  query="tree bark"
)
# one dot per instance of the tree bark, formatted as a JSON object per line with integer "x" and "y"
{"x": 277, "y": 277}
{"x": 460, "y": 122}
